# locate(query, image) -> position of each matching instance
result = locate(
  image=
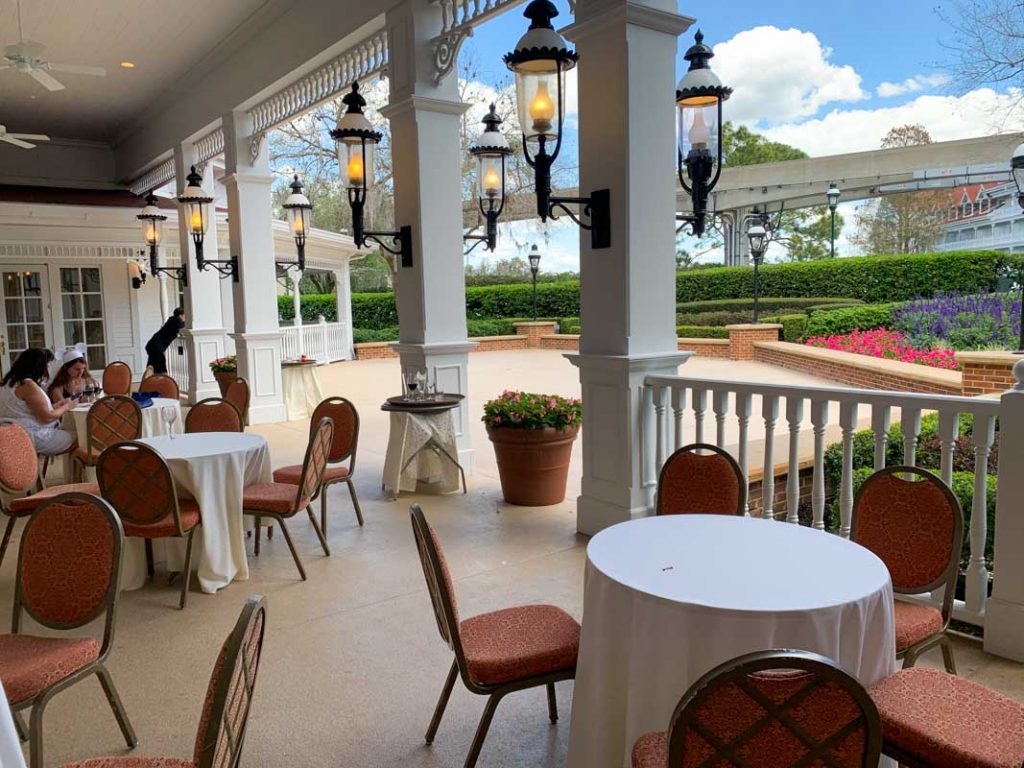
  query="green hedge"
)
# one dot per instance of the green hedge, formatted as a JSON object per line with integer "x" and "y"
{"x": 868, "y": 278}
{"x": 363, "y": 335}
{"x": 701, "y": 332}
{"x": 772, "y": 304}
{"x": 313, "y": 305}
{"x": 794, "y": 327}
{"x": 829, "y": 322}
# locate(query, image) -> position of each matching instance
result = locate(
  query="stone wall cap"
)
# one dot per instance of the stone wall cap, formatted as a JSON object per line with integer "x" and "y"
{"x": 864, "y": 362}
{"x": 699, "y": 341}
{"x": 535, "y": 323}
{"x": 574, "y": 336}
{"x": 755, "y": 327}
{"x": 989, "y": 357}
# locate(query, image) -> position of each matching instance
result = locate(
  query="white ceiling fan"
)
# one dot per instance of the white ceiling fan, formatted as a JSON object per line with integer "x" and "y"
{"x": 25, "y": 56}
{"x": 19, "y": 139}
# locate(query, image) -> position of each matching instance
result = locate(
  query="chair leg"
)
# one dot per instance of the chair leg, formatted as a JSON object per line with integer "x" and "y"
{"x": 42, "y": 473}
{"x": 115, "y": 704}
{"x": 947, "y": 654}
{"x": 8, "y": 530}
{"x": 323, "y": 509}
{"x": 319, "y": 533}
{"x": 150, "y": 566}
{"x": 355, "y": 500}
{"x": 552, "y": 703}
{"x": 442, "y": 702}
{"x": 481, "y": 730}
{"x": 20, "y": 727}
{"x": 35, "y": 733}
{"x": 186, "y": 571}
{"x": 291, "y": 546}
{"x": 257, "y": 531}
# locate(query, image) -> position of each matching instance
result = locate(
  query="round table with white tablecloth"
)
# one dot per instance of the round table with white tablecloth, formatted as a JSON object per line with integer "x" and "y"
{"x": 10, "y": 746}
{"x": 669, "y": 598}
{"x": 213, "y": 468}
{"x": 153, "y": 424}
{"x": 301, "y": 385}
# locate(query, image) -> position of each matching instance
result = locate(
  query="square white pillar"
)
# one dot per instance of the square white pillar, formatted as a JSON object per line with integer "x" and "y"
{"x": 343, "y": 309}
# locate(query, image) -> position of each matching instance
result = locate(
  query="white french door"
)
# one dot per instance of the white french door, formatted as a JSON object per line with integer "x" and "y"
{"x": 25, "y": 310}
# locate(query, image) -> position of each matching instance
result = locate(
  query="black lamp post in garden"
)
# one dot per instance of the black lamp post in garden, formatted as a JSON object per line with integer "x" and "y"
{"x": 1017, "y": 171}
{"x": 534, "y": 269}
{"x": 757, "y": 235}
{"x": 833, "y": 200}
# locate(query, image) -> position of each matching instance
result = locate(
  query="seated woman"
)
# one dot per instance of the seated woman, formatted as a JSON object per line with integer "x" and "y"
{"x": 23, "y": 401}
{"x": 72, "y": 378}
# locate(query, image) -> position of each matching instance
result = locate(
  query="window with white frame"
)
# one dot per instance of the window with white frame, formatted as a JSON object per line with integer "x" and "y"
{"x": 81, "y": 303}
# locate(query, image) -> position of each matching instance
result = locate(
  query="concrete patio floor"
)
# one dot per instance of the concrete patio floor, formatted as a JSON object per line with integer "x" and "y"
{"x": 353, "y": 663}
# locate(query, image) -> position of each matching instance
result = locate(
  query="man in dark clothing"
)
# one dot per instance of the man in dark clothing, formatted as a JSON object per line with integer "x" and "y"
{"x": 162, "y": 339}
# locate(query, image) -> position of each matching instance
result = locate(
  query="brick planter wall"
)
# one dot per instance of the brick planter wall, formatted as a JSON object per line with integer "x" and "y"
{"x": 743, "y": 336}
{"x": 374, "y": 350}
{"x": 535, "y": 331}
{"x": 569, "y": 342}
{"x": 987, "y": 372}
{"x": 780, "y": 506}
{"x": 705, "y": 347}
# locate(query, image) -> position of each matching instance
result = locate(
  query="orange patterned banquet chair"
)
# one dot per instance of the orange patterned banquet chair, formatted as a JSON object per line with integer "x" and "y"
{"x": 117, "y": 379}
{"x": 777, "y": 708}
{"x": 137, "y": 482}
{"x": 237, "y": 393}
{"x": 700, "y": 479}
{"x": 19, "y": 466}
{"x": 110, "y": 420}
{"x": 162, "y": 384}
{"x": 69, "y": 573}
{"x": 916, "y": 528}
{"x": 499, "y": 652}
{"x": 282, "y": 500}
{"x": 222, "y": 723}
{"x": 931, "y": 719}
{"x": 343, "y": 448}
{"x": 213, "y": 415}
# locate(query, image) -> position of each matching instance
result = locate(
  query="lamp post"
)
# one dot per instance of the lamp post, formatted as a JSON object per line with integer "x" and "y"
{"x": 534, "y": 269}
{"x": 540, "y": 60}
{"x": 833, "y": 200}
{"x": 299, "y": 208}
{"x": 1017, "y": 171}
{"x": 195, "y": 206}
{"x": 152, "y": 232}
{"x": 490, "y": 151}
{"x": 757, "y": 235}
{"x": 699, "y": 97}
{"x": 356, "y": 144}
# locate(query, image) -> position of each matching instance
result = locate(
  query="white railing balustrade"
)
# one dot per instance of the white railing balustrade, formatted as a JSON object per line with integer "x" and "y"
{"x": 322, "y": 341}
{"x": 802, "y": 421}
{"x": 177, "y": 363}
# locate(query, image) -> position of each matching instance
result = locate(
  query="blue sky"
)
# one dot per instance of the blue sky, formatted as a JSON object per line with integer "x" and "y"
{"x": 828, "y": 77}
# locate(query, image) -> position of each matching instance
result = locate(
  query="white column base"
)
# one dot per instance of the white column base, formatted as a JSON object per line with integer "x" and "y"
{"x": 204, "y": 346}
{"x": 259, "y": 363}
{"x": 614, "y": 487}
{"x": 447, "y": 364}
{"x": 1004, "y": 629}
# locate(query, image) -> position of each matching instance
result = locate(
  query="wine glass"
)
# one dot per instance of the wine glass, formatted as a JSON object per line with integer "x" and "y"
{"x": 169, "y": 414}
{"x": 411, "y": 384}
{"x": 421, "y": 382}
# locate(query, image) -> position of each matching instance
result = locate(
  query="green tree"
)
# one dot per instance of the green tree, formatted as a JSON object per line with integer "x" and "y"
{"x": 741, "y": 146}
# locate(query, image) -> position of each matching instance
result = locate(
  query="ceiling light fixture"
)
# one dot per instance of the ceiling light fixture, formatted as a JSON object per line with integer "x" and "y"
{"x": 128, "y": 65}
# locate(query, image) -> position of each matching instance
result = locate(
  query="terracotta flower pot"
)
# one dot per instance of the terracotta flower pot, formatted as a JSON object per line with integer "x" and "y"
{"x": 224, "y": 379}
{"x": 533, "y": 464}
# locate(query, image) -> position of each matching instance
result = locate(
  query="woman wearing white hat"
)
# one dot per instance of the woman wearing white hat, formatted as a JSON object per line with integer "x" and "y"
{"x": 72, "y": 378}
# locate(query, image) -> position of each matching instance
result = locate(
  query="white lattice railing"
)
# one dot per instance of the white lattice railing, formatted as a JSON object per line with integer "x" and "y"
{"x": 680, "y": 410}
{"x": 323, "y": 341}
{"x": 177, "y": 363}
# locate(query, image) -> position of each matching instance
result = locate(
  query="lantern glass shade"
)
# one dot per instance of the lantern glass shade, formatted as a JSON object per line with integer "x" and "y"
{"x": 490, "y": 176}
{"x": 198, "y": 217}
{"x": 698, "y": 124}
{"x": 757, "y": 236}
{"x": 534, "y": 260}
{"x": 540, "y": 85}
{"x": 355, "y": 162}
{"x": 1018, "y": 175}
{"x": 152, "y": 231}
{"x": 298, "y": 222}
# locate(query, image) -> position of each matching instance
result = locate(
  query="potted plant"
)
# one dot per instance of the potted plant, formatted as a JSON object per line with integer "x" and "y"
{"x": 225, "y": 370}
{"x": 533, "y": 436}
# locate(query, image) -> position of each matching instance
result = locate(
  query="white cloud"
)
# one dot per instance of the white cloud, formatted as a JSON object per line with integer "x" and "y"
{"x": 910, "y": 85}
{"x": 977, "y": 113}
{"x": 781, "y": 75}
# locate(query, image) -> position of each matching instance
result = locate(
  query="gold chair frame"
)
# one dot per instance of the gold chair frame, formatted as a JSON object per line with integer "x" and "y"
{"x": 243, "y": 408}
{"x": 160, "y": 377}
{"x": 98, "y": 414}
{"x": 115, "y": 365}
{"x": 693, "y": 448}
{"x": 12, "y": 516}
{"x": 334, "y": 402}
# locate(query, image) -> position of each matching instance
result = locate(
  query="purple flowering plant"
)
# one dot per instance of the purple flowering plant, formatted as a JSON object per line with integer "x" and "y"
{"x": 526, "y": 410}
{"x": 961, "y": 321}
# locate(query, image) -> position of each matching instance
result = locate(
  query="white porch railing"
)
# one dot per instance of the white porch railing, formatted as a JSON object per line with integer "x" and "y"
{"x": 321, "y": 341}
{"x": 177, "y": 363}
{"x": 676, "y": 412}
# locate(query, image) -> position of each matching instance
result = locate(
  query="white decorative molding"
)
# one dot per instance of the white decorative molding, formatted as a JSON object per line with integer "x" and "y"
{"x": 458, "y": 17}
{"x": 209, "y": 146}
{"x": 59, "y": 252}
{"x": 154, "y": 178}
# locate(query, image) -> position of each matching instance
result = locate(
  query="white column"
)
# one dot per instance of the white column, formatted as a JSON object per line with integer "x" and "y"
{"x": 204, "y": 322}
{"x": 257, "y": 333}
{"x": 427, "y": 163}
{"x": 627, "y": 145}
{"x": 297, "y": 311}
{"x": 343, "y": 297}
{"x": 1004, "y": 614}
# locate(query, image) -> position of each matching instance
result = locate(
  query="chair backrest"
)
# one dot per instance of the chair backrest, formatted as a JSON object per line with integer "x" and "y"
{"x": 222, "y": 724}
{"x": 19, "y": 465}
{"x": 315, "y": 461}
{"x": 913, "y": 522}
{"x": 237, "y": 393}
{"x": 69, "y": 564}
{"x": 346, "y": 428}
{"x": 439, "y": 580}
{"x": 113, "y": 420}
{"x": 700, "y": 479}
{"x": 213, "y": 415}
{"x": 139, "y": 485}
{"x": 778, "y": 708}
{"x": 117, "y": 379}
{"x": 162, "y": 383}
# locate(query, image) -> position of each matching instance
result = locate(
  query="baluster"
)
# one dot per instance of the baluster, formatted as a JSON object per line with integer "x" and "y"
{"x": 976, "y": 588}
{"x": 910, "y": 423}
{"x": 819, "y": 420}
{"x": 678, "y": 406}
{"x": 647, "y": 471}
{"x": 848, "y": 423}
{"x": 770, "y": 412}
{"x": 700, "y": 405}
{"x": 794, "y": 417}
{"x": 949, "y": 429}
{"x": 660, "y": 422}
{"x": 720, "y": 405}
{"x": 743, "y": 400}
{"x": 881, "y": 416}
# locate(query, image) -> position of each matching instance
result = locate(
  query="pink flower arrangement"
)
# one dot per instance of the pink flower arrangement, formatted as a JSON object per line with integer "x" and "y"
{"x": 884, "y": 343}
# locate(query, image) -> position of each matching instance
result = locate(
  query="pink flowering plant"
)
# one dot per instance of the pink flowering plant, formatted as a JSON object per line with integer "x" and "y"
{"x": 525, "y": 410}
{"x": 888, "y": 344}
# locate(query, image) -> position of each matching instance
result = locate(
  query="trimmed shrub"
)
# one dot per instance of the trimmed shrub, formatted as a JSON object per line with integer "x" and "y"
{"x": 868, "y": 278}
{"x": 713, "y": 318}
{"x": 494, "y": 327}
{"x": 773, "y": 304}
{"x": 794, "y": 327}
{"x": 374, "y": 310}
{"x": 837, "y": 322}
{"x": 701, "y": 332}
{"x": 844, "y": 304}
{"x": 313, "y": 305}
{"x": 363, "y": 335}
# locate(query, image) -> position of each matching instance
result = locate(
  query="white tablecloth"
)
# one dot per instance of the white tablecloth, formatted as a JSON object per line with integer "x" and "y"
{"x": 302, "y": 393}
{"x": 669, "y": 598}
{"x": 409, "y": 433}
{"x": 10, "y": 748}
{"x": 213, "y": 468}
{"x": 153, "y": 424}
